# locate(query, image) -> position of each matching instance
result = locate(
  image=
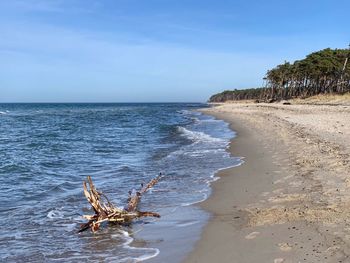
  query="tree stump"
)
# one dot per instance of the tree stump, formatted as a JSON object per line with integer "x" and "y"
{"x": 106, "y": 211}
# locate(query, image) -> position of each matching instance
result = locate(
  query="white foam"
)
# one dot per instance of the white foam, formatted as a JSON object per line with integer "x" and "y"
{"x": 55, "y": 214}
{"x": 154, "y": 251}
{"x": 202, "y": 152}
{"x": 195, "y": 120}
{"x": 197, "y": 136}
{"x": 3, "y": 113}
{"x": 241, "y": 161}
{"x": 189, "y": 112}
{"x": 205, "y": 197}
{"x": 206, "y": 191}
{"x": 187, "y": 224}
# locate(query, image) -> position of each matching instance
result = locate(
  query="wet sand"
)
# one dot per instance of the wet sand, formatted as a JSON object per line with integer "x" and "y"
{"x": 290, "y": 200}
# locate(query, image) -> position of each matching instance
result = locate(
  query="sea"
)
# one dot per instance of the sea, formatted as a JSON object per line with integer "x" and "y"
{"x": 48, "y": 149}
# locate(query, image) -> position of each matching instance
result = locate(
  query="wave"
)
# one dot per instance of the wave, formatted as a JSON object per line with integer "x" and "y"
{"x": 55, "y": 214}
{"x": 197, "y": 136}
{"x": 207, "y": 191}
{"x": 189, "y": 223}
{"x": 185, "y": 112}
{"x": 188, "y": 146}
{"x": 153, "y": 252}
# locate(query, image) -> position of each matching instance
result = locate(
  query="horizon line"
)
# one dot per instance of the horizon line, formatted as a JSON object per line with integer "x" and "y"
{"x": 100, "y": 102}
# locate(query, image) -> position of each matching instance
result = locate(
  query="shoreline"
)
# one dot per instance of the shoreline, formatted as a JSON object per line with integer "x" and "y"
{"x": 279, "y": 205}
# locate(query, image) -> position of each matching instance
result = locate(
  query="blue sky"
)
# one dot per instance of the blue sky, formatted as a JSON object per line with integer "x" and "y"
{"x": 155, "y": 50}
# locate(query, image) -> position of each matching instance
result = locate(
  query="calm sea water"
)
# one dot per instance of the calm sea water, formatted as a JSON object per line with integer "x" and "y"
{"x": 47, "y": 150}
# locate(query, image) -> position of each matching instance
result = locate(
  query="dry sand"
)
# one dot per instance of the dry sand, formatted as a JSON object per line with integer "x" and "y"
{"x": 290, "y": 200}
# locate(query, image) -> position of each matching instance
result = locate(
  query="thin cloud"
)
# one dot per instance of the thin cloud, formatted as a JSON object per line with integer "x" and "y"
{"x": 44, "y": 6}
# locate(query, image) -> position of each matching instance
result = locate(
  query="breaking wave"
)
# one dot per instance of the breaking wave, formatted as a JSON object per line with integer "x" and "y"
{"x": 197, "y": 136}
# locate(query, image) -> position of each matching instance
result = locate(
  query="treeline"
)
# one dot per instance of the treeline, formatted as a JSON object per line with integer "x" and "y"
{"x": 244, "y": 94}
{"x": 321, "y": 72}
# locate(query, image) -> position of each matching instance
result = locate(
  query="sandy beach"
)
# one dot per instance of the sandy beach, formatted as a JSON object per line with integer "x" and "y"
{"x": 290, "y": 200}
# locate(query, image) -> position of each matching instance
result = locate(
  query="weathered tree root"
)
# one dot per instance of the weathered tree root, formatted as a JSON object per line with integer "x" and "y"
{"x": 106, "y": 211}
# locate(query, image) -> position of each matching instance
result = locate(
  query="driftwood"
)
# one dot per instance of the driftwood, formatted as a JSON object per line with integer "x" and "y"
{"x": 106, "y": 211}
